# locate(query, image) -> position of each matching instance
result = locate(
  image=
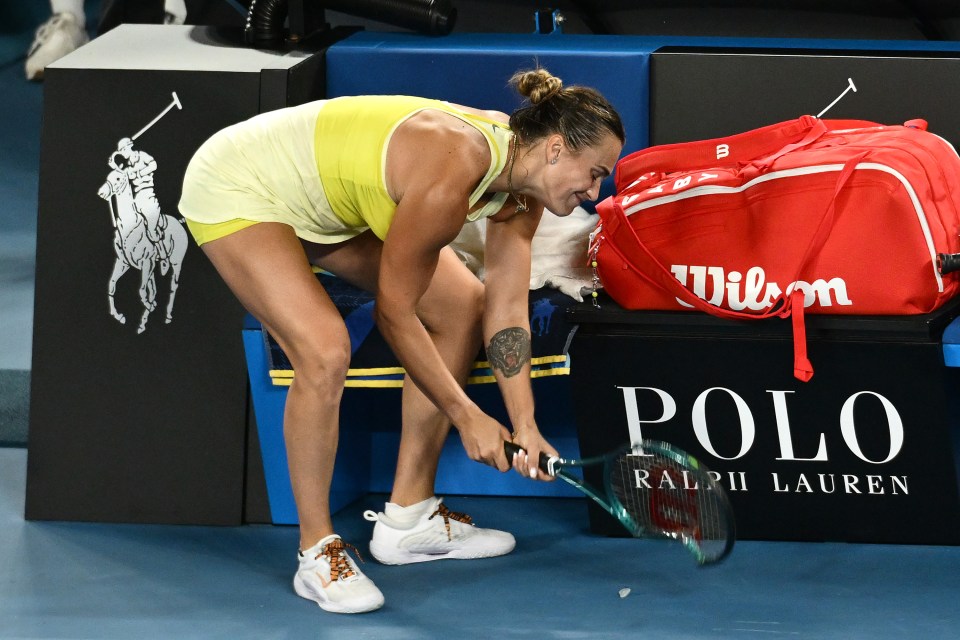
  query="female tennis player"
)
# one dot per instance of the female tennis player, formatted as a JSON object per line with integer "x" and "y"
{"x": 373, "y": 189}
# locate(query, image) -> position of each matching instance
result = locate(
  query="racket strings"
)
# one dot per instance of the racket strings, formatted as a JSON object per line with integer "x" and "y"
{"x": 663, "y": 496}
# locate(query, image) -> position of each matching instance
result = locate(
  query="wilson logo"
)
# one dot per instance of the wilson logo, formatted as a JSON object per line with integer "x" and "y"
{"x": 738, "y": 291}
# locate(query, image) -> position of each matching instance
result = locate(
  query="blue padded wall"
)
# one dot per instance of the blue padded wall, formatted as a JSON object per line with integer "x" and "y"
{"x": 474, "y": 69}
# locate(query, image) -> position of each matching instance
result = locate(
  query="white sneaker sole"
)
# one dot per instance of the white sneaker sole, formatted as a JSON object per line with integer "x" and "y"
{"x": 394, "y": 556}
{"x": 305, "y": 591}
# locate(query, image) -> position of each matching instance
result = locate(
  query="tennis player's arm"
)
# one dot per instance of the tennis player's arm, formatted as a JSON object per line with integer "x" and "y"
{"x": 407, "y": 265}
{"x": 506, "y": 324}
{"x": 430, "y": 213}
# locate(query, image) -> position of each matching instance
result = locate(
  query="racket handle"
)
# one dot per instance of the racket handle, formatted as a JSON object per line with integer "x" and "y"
{"x": 512, "y": 449}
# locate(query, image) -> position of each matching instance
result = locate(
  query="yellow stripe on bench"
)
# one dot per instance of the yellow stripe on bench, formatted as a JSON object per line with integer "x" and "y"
{"x": 383, "y": 377}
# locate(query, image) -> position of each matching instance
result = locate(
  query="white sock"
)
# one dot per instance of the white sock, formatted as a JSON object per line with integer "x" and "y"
{"x": 176, "y": 8}
{"x": 408, "y": 516}
{"x": 70, "y": 6}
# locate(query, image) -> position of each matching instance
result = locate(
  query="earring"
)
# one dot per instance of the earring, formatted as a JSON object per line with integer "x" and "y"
{"x": 554, "y": 161}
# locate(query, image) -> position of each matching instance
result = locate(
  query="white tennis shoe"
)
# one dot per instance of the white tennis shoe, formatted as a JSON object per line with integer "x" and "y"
{"x": 328, "y": 576}
{"x": 435, "y": 534}
{"x": 55, "y": 38}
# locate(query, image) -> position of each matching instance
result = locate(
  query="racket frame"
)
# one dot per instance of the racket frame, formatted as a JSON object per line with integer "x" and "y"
{"x": 608, "y": 500}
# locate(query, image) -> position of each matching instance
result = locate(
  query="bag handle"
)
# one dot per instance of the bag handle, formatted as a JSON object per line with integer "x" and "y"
{"x": 766, "y": 143}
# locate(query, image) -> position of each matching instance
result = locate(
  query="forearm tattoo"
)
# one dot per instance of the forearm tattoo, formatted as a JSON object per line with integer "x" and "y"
{"x": 509, "y": 350}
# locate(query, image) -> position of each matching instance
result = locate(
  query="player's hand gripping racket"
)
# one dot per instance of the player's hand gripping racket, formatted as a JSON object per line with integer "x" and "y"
{"x": 655, "y": 489}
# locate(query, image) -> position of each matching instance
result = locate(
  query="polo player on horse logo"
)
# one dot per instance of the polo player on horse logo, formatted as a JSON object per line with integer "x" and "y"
{"x": 143, "y": 235}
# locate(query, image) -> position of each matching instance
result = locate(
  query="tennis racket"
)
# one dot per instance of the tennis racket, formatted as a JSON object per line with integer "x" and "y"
{"x": 655, "y": 490}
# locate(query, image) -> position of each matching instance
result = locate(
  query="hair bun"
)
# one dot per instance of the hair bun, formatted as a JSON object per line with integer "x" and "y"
{"x": 537, "y": 85}
{"x": 580, "y": 114}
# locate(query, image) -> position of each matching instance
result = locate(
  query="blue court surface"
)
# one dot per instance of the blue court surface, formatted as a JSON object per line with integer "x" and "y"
{"x": 79, "y": 580}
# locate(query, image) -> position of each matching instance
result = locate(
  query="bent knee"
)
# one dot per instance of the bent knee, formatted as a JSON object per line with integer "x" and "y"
{"x": 462, "y": 307}
{"x": 321, "y": 368}
{"x": 470, "y": 298}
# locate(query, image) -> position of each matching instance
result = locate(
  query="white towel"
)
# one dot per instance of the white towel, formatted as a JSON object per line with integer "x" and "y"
{"x": 559, "y": 252}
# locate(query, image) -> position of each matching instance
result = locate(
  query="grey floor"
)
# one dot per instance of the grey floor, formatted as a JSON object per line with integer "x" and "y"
{"x": 77, "y": 580}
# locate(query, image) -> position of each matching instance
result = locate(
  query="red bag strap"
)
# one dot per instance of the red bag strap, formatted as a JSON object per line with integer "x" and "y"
{"x": 802, "y": 368}
{"x": 761, "y": 145}
{"x": 647, "y": 266}
{"x": 715, "y": 152}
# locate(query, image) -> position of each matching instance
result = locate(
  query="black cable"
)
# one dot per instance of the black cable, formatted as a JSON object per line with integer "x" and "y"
{"x": 265, "y": 20}
{"x": 433, "y": 17}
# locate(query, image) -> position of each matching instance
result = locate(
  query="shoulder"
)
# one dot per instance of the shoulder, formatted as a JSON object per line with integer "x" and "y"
{"x": 435, "y": 136}
{"x": 440, "y": 150}
{"x": 488, "y": 114}
{"x": 438, "y": 126}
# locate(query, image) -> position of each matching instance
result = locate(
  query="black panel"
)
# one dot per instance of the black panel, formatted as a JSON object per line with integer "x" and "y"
{"x": 855, "y": 493}
{"x": 700, "y": 94}
{"x": 127, "y": 425}
{"x": 131, "y": 425}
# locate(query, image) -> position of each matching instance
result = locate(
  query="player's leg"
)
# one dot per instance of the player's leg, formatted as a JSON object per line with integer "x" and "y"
{"x": 266, "y": 268}
{"x": 415, "y": 526}
{"x": 451, "y": 311}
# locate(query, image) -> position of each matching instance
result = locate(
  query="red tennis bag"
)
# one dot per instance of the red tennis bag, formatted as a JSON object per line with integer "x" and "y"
{"x": 831, "y": 216}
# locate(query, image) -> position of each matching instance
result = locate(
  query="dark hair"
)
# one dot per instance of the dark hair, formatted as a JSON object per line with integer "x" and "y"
{"x": 580, "y": 114}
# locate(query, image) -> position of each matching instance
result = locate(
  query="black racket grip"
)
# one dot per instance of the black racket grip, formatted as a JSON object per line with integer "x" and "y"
{"x": 511, "y": 450}
{"x": 948, "y": 263}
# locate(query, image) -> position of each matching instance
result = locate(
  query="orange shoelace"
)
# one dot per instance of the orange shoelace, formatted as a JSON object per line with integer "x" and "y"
{"x": 447, "y": 515}
{"x": 336, "y": 554}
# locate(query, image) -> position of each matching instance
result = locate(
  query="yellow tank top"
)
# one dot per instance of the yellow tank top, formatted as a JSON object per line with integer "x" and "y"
{"x": 352, "y": 134}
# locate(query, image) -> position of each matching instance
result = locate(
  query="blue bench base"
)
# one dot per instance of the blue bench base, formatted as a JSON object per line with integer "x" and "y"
{"x": 370, "y": 415}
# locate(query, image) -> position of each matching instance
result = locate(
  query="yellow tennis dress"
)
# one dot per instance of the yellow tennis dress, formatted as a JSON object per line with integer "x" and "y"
{"x": 318, "y": 167}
